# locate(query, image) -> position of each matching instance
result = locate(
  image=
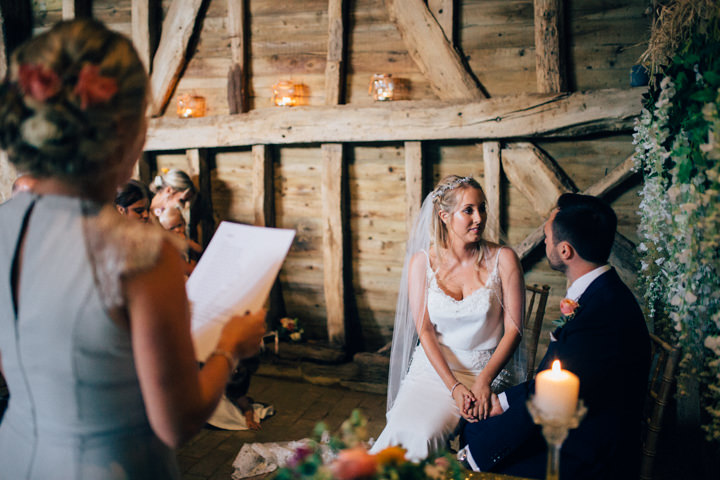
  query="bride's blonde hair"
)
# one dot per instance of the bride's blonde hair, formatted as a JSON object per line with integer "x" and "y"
{"x": 445, "y": 199}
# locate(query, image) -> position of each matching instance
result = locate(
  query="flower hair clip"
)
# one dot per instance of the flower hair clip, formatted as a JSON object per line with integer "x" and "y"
{"x": 42, "y": 83}
{"x": 443, "y": 189}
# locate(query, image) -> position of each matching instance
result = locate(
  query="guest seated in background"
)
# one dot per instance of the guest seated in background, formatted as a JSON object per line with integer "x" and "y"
{"x": 605, "y": 343}
{"x": 173, "y": 221}
{"x": 462, "y": 297}
{"x": 133, "y": 201}
{"x": 94, "y": 322}
{"x": 173, "y": 188}
{"x": 23, "y": 183}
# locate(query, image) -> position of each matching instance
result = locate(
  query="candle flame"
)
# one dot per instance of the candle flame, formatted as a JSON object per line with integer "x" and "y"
{"x": 556, "y": 366}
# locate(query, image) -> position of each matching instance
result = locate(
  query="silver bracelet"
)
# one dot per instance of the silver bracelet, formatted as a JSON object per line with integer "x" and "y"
{"x": 452, "y": 390}
{"x": 232, "y": 361}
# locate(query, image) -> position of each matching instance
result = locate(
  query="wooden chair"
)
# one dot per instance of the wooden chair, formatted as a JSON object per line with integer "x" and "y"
{"x": 533, "y": 322}
{"x": 660, "y": 385}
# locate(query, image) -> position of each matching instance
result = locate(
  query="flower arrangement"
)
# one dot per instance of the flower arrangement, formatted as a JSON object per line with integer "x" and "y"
{"x": 677, "y": 140}
{"x": 347, "y": 458}
{"x": 568, "y": 309}
{"x": 290, "y": 329}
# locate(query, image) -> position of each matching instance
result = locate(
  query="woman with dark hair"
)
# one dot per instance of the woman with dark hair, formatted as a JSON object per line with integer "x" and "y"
{"x": 133, "y": 201}
{"x": 94, "y": 319}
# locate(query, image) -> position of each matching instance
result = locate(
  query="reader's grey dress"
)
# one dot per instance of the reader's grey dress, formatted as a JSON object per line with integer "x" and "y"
{"x": 75, "y": 409}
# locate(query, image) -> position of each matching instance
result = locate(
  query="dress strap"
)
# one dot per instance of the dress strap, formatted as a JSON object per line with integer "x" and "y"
{"x": 429, "y": 274}
{"x": 494, "y": 273}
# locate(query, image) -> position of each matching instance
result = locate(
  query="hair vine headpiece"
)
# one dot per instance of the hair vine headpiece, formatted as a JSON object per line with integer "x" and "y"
{"x": 42, "y": 83}
{"x": 443, "y": 189}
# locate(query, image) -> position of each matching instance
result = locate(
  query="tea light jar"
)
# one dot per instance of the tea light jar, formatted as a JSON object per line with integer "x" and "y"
{"x": 190, "y": 106}
{"x": 382, "y": 87}
{"x": 288, "y": 94}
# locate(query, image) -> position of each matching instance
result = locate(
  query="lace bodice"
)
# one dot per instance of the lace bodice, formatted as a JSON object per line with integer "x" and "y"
{"x": 472, "y": 323}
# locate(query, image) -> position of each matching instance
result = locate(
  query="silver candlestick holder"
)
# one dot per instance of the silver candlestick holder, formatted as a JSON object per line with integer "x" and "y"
{"x": 555, "y": 430}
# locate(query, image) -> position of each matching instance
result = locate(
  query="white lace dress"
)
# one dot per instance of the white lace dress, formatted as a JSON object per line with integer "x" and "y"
{"x": 424, "y": 414}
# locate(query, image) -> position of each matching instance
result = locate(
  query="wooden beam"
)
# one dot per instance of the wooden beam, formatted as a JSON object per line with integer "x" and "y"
{"x": 432, "y": 52}
{"x": 76, "y": 9}
{"x": 170, "y": 57}
{"x": 444, "y": 13}
{"x": 612, "y": 179}
{"x": 334, "y": 68}
{"x": 522, "y": 116}
{"x": 262, "y": 186}
{"x": 143, "y": 15}
{"x": 536, "y": 175}
{"x": 238, "y": 100}
{"x": 205, "y": 217}
{"x": 413, "y": 182}
{"x": 332, "y": 195}
{"x": 549, "y": 64}
{"x": 491, "y": 160}
{"x": 535, "y": 238}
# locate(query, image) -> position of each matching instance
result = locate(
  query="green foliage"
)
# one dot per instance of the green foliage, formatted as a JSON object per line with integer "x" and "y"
{"x": 678, "y": 152}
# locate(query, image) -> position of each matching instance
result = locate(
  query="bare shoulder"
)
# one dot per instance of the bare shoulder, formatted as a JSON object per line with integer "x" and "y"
{"x": 508, "y": 260}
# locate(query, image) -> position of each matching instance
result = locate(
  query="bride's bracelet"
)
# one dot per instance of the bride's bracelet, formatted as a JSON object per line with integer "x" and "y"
{"x": 452, "y": 390}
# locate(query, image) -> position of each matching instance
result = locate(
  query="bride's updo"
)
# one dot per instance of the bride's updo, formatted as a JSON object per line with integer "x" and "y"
{"x": 73, "y": 98}
{"x": 445, "y": 198}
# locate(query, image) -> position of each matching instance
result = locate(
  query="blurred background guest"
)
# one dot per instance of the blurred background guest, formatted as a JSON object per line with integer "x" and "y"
{"x": 23, "y": 183}
{"x": 133, "y": 201}
{"x": 173, "y": 188}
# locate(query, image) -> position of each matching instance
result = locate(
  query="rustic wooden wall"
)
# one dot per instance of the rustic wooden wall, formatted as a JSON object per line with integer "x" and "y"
{"x": 288, "y": 40}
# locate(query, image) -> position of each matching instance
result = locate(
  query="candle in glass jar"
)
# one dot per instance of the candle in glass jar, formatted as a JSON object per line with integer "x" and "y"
{"x": 556, "y": 392}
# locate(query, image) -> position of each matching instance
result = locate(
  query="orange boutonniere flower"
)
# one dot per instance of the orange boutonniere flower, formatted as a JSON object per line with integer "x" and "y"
{"x": 38, "y": 81}
{"x": 93, "y": 88}
{"x": 568, "y": 309}
{"x": 391, "y": 456}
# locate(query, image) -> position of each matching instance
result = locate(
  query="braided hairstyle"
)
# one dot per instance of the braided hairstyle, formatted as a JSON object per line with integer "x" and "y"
{"x": 73, "y": 98}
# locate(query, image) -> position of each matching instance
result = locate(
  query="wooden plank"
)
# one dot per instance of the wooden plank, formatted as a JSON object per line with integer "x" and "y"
{"x": 333, "y": 242}
{"x": 237, "y": 90}
{"x": 262, "y": 186}
{"x": 433, "y": 53}
{"x": 536, "y": 175}
{"x": 524, "y": 116}
{"x": 76, "y": 9}
{"x": 144, "y": 31}
{"x": 491, "y": 160}
{"x": 413, "y": 182}
{"x": 444, "y": 13}
{"x": 549, "y": 63}
{"x": 193, "y": 162}
{"x": 335, "y": 65}
{"x": 170, "y": 58}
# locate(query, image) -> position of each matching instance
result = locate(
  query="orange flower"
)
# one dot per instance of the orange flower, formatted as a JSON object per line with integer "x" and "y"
{"x": 567, "y": 306}
{"x": 391, "y": 456}
{"x": 93, "y": 88}
{"x": 353, "y": 463}
{"x": 38, "y": 81}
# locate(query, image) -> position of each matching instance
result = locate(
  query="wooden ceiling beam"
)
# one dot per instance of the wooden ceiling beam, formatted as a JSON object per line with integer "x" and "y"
{"x": 238, "y": 99}
{"x": 143, "y": 19}
{"x": 521, "y": 116}
{"x": 170, "y": 58}
{"x": 549, "y": 63}
{"x": 76, "y": 9}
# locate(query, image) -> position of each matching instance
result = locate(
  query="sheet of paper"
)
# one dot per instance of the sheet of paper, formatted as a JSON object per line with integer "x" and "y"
{"x": 234, "y": 275}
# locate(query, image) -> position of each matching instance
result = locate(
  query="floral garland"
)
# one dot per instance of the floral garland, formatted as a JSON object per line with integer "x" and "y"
{"x": 677, "y": 149}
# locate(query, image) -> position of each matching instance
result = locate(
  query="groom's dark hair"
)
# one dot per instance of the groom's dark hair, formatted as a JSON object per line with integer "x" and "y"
{"x": 587, "y": 223}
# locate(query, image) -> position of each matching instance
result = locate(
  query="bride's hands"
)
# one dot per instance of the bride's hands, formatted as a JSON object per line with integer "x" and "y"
{"x": 464, "y": 399}
{"x": 483, "y": 406}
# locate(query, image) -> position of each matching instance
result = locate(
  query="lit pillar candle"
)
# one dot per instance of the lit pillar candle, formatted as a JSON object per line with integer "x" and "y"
{"x": 556, "y": 392}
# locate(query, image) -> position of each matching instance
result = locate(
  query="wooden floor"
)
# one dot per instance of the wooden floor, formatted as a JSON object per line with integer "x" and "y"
{"x": 299, "y": 407}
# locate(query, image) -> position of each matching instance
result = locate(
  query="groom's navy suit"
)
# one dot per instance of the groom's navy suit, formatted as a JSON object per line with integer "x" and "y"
{"x": 607, "y": 346}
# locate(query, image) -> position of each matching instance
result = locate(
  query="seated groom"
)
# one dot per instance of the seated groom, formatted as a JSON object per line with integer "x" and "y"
{"x": 605, "y": 344}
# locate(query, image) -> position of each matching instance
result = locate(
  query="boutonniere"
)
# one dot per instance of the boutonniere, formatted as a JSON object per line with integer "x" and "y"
{"x": 568, "y": 310}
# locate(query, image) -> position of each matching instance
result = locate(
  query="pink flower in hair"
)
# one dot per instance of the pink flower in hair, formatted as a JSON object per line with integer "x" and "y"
{"x": 38, "y": 81}
{"x": 93, "y": 88}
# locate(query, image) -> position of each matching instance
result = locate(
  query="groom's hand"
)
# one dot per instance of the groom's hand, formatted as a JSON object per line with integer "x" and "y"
{"x": 495, "y": 406}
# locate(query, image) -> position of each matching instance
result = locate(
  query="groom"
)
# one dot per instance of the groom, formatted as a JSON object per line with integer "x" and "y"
{"x": 605, "y": 344}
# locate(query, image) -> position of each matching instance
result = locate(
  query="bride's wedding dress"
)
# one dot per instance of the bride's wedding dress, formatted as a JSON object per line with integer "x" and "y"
{"x": 424, "y": 414}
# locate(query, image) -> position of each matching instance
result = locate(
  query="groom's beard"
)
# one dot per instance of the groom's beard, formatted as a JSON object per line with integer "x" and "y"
{"x": 556, "y": 263}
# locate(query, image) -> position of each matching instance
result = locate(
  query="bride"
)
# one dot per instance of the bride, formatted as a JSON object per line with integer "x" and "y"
{"x": 459, "y": 317}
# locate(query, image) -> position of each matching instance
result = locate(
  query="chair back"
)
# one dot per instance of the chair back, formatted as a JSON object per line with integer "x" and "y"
{"x": 661, "y": 382}
{"x": 536, "y": 302}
